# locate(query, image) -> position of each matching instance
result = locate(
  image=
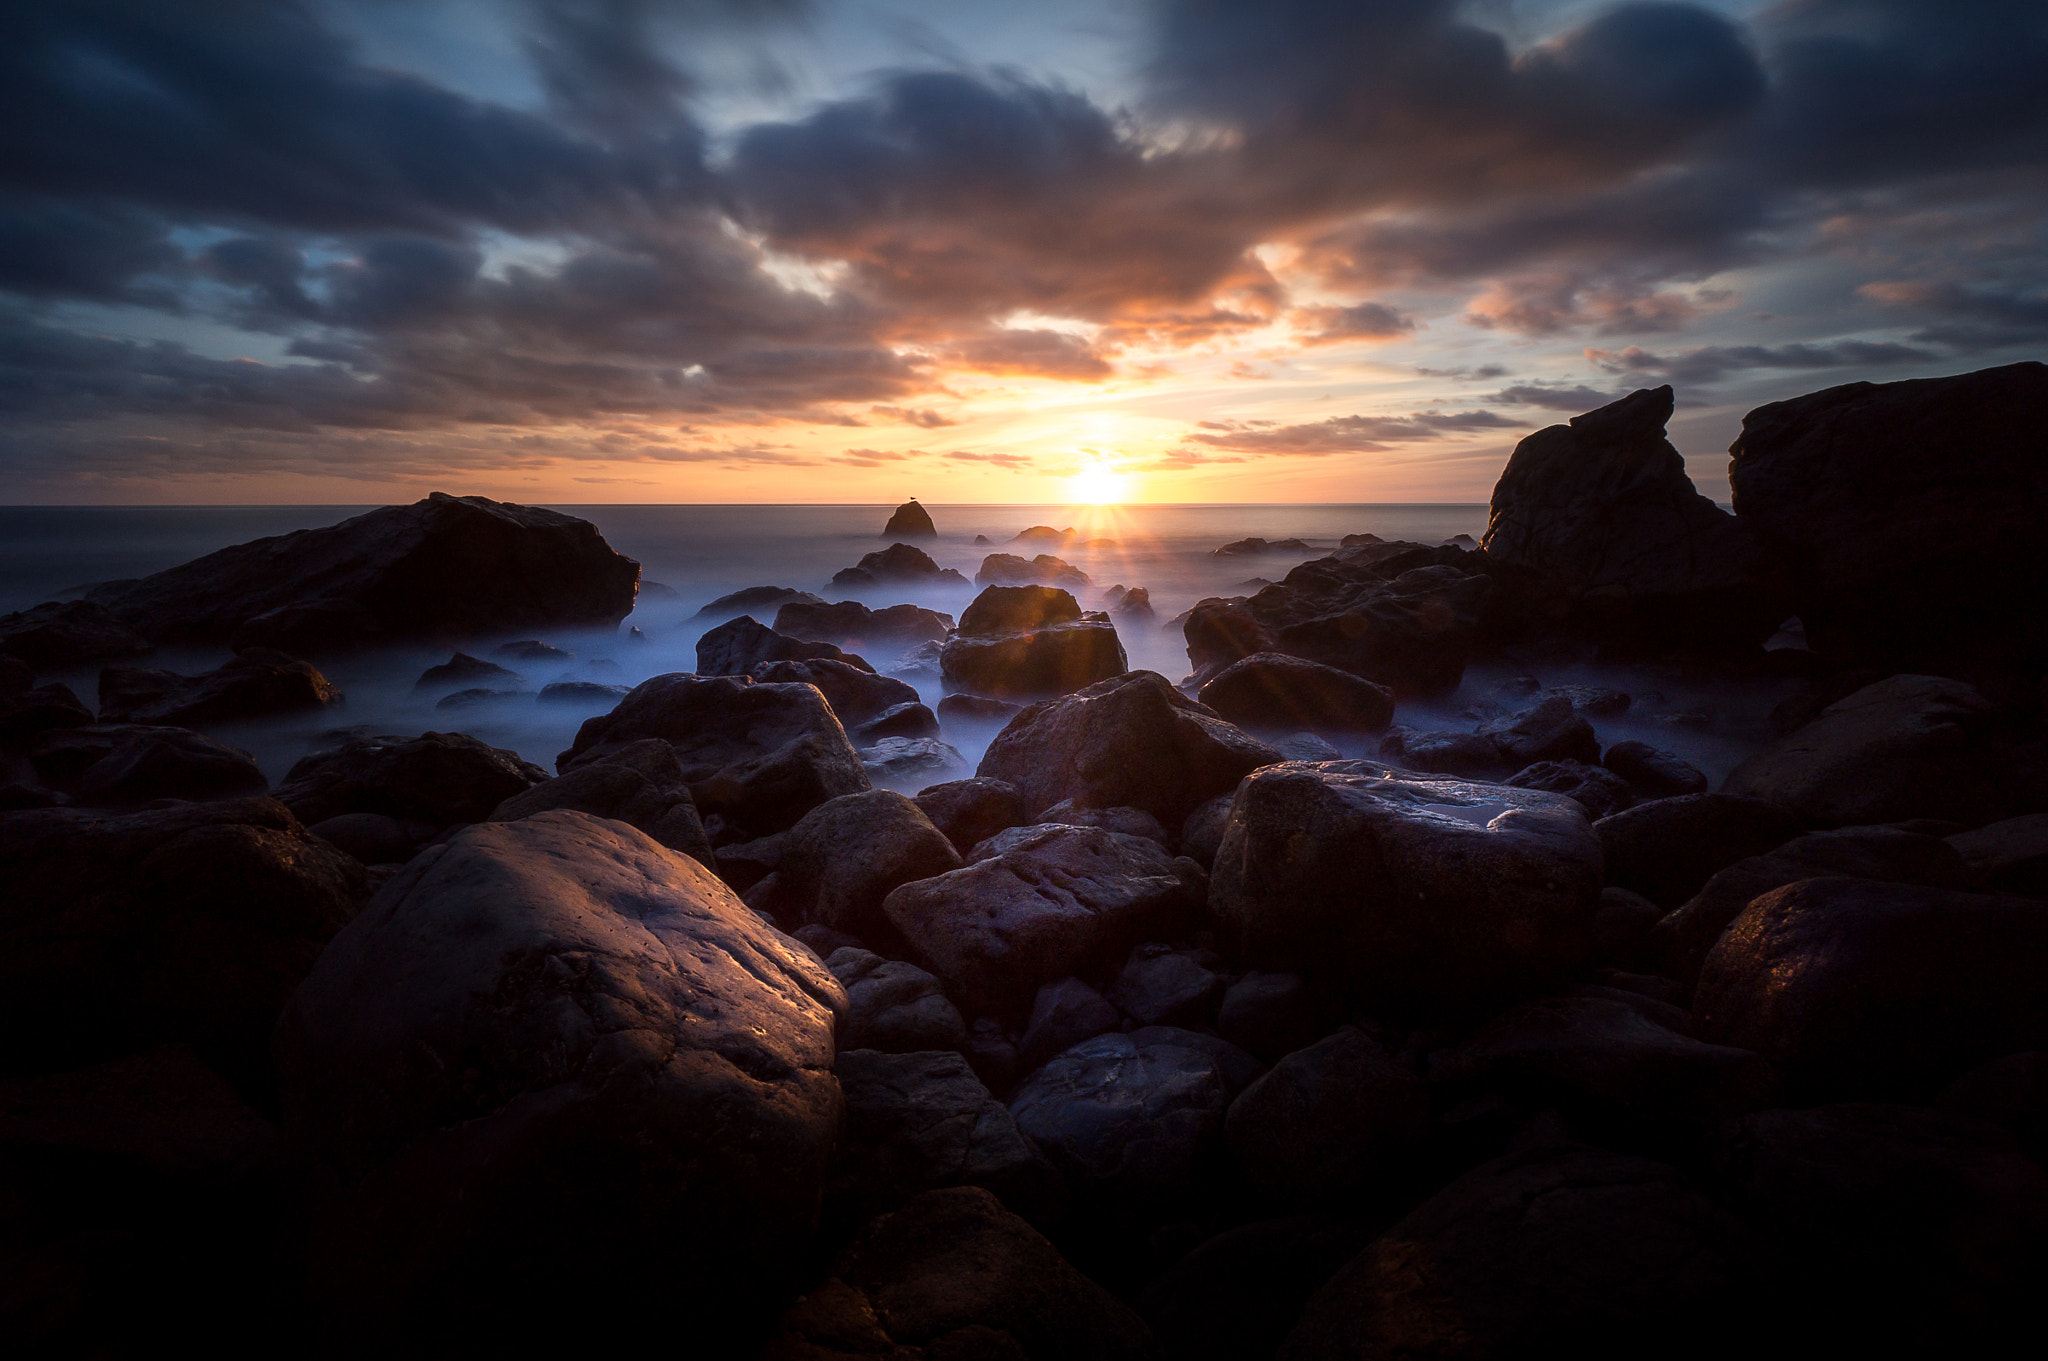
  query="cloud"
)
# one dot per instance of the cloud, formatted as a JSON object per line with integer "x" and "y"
{"x": 1344, "y": 434}
{"x": 1014, "y": 462}
{"x": 1476, "y": 374}
{"x": 1713, "y": 362}
{"x": 1361, "y": 321}
{"x": 1032, "y": 353}
{"x": 871, "y": 458}
{"x": 923, "y": 417}
{"x": 1554, "y": 398}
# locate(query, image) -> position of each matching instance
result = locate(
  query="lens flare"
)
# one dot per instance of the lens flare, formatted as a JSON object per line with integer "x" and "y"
{"x": 1099, "y": 484}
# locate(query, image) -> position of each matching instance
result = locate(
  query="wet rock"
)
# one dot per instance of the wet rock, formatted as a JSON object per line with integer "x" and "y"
{"x": 1007, "y": 569}
{"x": 1065, "y": 1012}
{"x": 970, "y": 811}
{"x": 1600, "y": 792}
{"x": 1220, "y": 632}
{"x": 739, "y": 645}
{"x": 1269, "y": 690}
{"x": 190, "y": 923}
{"x": 953, "y": 1274}
{"x": 1468, "y": 755}
{"x": 1129, "y": 821}
{"x": 1667, "y": 849}
{"x": 1059, "y": 900}
{"x": 1267, "y": 1015}
{"x": 442, "y": 566}
{"x": 556, "y": 1030}
{"x": 1554, "y": 1251}
{"x": 756, "y": 757}
{"x": 1603, "y": 512}
{"x": 582, "y": 694}
{"x": 371, "y": 838}
{"x": 437, "y": 778}
{"x": 640, "y": 784}
{"x": 909, "y": 762}
{"x": 1131, "y": 741}
{"x": 1160, "y": 985}
{"x": 63, "y": 633}
{"x": 910, "y": 521}
{"x": 923, "y": 1122}
{"x": 846, "y": 855}
{"x": 2009, "y": 856}
{"x": 893, "y": 1006}
{"x": 1654, "y": 773}
{"x": 856, "y": 696}
{"x": 1327, "y": 1122}
{"x": 1024, "y": 642}
{"x": 910, "y": 720}
{"x": 898, "y": 563}
{"x": 1404, "y": 893}
{"x": 1855, "y": 989}
{"x": 1906, "y": 747}
{"x": 763, "y": 600}
{"x": 1551, "y": 731}
{"x": 1135, "y": 605}
{"x": 462, "y": 671}
{"x": 857, "y": 628}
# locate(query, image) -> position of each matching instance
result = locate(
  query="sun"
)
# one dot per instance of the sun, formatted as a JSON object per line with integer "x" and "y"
{"x": 1098, "y": 484}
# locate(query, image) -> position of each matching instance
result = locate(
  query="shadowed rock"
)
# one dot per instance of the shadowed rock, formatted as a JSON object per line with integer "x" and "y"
{"x": 1026, "y": 642}
{"x": 910, "y": 521}
{"x": 255, "y": 684}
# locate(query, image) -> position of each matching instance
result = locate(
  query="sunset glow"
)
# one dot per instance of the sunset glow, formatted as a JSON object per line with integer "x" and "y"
{"x": 1099, "y": 484}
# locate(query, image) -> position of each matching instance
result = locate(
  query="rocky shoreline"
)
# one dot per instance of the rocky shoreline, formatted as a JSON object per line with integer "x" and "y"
{"x": 1165, "y": 1033}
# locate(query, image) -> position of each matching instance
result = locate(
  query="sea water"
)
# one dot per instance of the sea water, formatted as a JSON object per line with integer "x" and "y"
{"x": 690, "y": 555}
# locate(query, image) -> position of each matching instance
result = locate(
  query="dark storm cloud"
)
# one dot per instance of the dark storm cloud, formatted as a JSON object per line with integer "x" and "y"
{"x": 1344, "y": 434}
{"x": 1577, "y": 398}
{"x": 1712, "y": 362}
{"x": 1032, "y": 353}
{"x": 54, "y": 248}
{"x": 1364, "y": 321}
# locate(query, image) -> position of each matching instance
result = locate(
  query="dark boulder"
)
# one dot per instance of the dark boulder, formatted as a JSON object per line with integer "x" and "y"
{"x": 1328, "y": 1122}
{"x": 24, "y": 713}
{"x": 973, "y": 810}
{"x": 893, "y": 1006}
{"x": 906, "y": 763}
{"x": 63, "y": 633}
{"x": 557, "y": 1031}
{"x": 1243, "y": 547}
{"x": 976, "y": 710}
{"x": 2011, "y": 1092}
{"x": 438, "y": 778}
{"x": 1007, "y": 569}
{"x": 2009, "y": 856}
{"x": 1600, "y": 792}
{"x": 1202, "y": 831}
{"x": 1413, "y": 633}
{"x": 846, "y": 855}
{"x": 908, "y": 719}
{"x": 1130, "y": 741}
{"x": 1654, "y": 773}
{"x": 1026, "y": 642}
{"x": 579, "y": 694}
{"x": 1219, "y": 632}
{"x": 910, "y": 521}
{"x": 106, "y": 765}
{"x": 1267, "y": 1014}
{"x": 462, "y": 671}
{"x": 534, "y": 650}
{"x": 1129, "y": 821}
{"x": 857, "y": 696}
{"x": 444, "y": 566}
{"x": 739, "y": 645}
{"x": 756, "y": 600}
{"x": 371, "y": 838}
{"x": 898, "y": 564}
{"x": 257, "y": 683}
{"x": 1667, "y": 849}
{"x": 1552, "y": 730}
{"x": 1161, "y": 985}
{"x": 857, "y": 628}
{"x": 1602, "y": 513}
{"x": 1270, "y": 690}
{"x": 1467, "y": 755}
{"x": 640, "y": 784}
{"x": 1405, "y": 893}
{"x": 1065, "y": 1012}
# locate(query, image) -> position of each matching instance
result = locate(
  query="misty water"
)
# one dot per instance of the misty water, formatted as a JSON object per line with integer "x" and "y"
{"x": 690, "y": 555}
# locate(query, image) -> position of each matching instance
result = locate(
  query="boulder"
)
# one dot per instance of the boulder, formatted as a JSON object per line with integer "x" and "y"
{"x": 1065, "y": 1012}
{"x": 1327, "y": 1122}
{"x": 764, "y": 600}
{"x": 25, "y": 713}
{"x": 899, "y": 563}
{"x": 973, "y": 810}
{"x": 1600, "y": 792}
{"x": 558, "y": 1031}
{"x": 1667, "y": 849}
{"x": 1025, "y": 642}
{"x": 1404, "y": 893}
{"x": 1202, "y": 832}
{"x": 61, "y": 633}
{"x": 1467, "y": 755}
{"x": 974, "y": 710}
{"x": 1552, "y": 730}
{"x": 1160, "y": 985}
{"x": 846, "y": 855}
{"x": 908, "y": 720}
{"x": 910, "y": 521}
{"x": 1267, "y": 1015}
{"x": 1654, "y": 773}
{"x": 893, "y": 1006}
{"x": 1007, "y": 569}
{"x": 640, "y": 784}
{"x": 922, "y": 1122}
{"x": 857, "y": 696}
{"x": 857, "y": 628}
{"x": 1219, "y": 632}
{"x": 954, "y": 1274}
{"x": 256, "y": 684}
{"x": 439, "y": 778}
{"x": 911, "y": 762}
{"x": 1130, "y": 741}
{"x": 16, "y": 676}
{"x": 1243, "y": 547}
{"x": 448, "y": 565}
{"x": 756, "y": 757}
{"x": 106, "y": 765}
{"x": 1822, "y": 480}
{"x": 579, "y": 694}
{"x": 739, "y": 645}
{"x": 460, "y": 671}
{"x": 185, "y": 924}
{"x": 1239, "y": 1293}
{"x": 371, "y": 838}
{"x": 2009, "y": 856}
{"x": 534, "y": 650}
{"x": 1558, "y": 1250}
{"x": 1129, "y": 821}
{"x": 1056, "y": 900}
{"x": 1270, "y": 690}
{"x": 1904, "y": 747}
{"x": 1602, "y": 514}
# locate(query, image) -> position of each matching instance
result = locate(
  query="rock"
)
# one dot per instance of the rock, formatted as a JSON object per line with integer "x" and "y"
{"x": 1553, "y": 1251}
{"x": 371, "y": 838}
{"x": 1239, "y": 1293}
{"x": 256, "y": 684}
{"x": 910, "y": 762}
{"x": 1270, "y": 690}
{"x": 436, "y": 778}
{"x": 1401, "y": 615}
{"x": 1602, "y": 513}
{"x": 1409, "y": 894}
{"x": 640, "y": 784}
{"x": 1267, "y": 1015}
{"x": 1065, "y": 1012}
{"x": 466, "y": 672}
{"x": 973, "y": 709}
{"x": 1044, "y": 534}
{"x": 1682, "y": 938}
{"x": 1136, "y": 605}
{"x": 1025, "y": 642}
{"x": 857, "y": 628}
{"x": 844, "y": 857}
{"x": 1887, "y": 1230}
{"x": 1133, "y": 1122}
{"x": 756, "y": 757}
{"x": 15, "y": 675}
{"x": 1622, "y": 929}
{"x": 534, "y": 650}
{"x": 857, "y": 696}
{"x": 185, "y": 924}
{"x": 2009, "y": 856}
{"x": 1129, "y": 821}
{"x": 744, "y": 864}
{"x": 556, "y": 1030}
{"x": 582, "y": 694}
{"x": 1468, "y": 755}
{"x": 909, "y": 720}
{"x": 1551, "y": 731}
{"x": 1328, "y": 1122}
{"x": 1855, "y": 989}
{"x": 1905, "y": 747}
{"x": 1058, "y": 900}
{"x": 981, "y": 540}
{"x": 479, "y": 698}
{"x": 756, "y": 600}
{"x": 911, "y": 521}
{"x": 64, "y": 633}
{"x": 970, "y": 811}
{"x": 439, "y": 567}
{"x": 1160, "y": 985}
{"x": 993, "y": 1051}
{"x": 893, "y": 1006}
{"x": 25, "y": 713}
{"x": 1667, "y": 849}
{"x": 1655, "y": 774}
{"x": 107, "y": 765}
{"x": 922, "y": 1122}
{"x": 1823, "y": 478}
{"x": 953, "y": 1274}
{"x": 2011, "y": 1092}
{"x": 898, "y": 563}
{"x": 739, "y": 645}
{"x": 919, "y": 663}
{"x": 1219, "y": 632}
{"x": 1203, "y": 830}
{"x": 1589, "y": 701}
{"x": 1243, "y": 547}
{"x": 1007, "y": 569}
{"x": 1599, "y": 792}
{"x": 1130, "y": 741}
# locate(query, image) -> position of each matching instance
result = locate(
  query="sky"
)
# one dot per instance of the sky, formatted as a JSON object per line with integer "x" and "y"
{"x": 716, "y": 251}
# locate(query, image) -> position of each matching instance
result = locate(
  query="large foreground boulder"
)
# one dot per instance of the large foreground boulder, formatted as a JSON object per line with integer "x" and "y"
{"x": 1132, "y": 741}
{"x": 844, "y": 857}
{"x": 1406, "y": 893}
{"x": 255, "y": 684}
{"x": 563, "y": 1058}
{"x": 1602, "y": 513}
{"x": 446, "y": 566}
{"x": 1026, "y": 642}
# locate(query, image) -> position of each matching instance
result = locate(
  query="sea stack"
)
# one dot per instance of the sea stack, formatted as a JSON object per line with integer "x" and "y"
{"x": 911, "y": 521}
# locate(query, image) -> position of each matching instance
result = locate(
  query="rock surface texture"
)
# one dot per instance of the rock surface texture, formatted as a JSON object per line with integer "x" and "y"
{"x": 1026, "y": 642}
{"x": 910, "y": 521}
